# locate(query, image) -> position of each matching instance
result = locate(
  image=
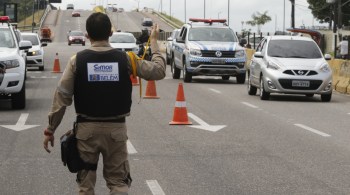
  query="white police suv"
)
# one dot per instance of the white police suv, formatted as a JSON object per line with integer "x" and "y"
{"x": 12, "y": 65}
{"x": 208, "y": 47}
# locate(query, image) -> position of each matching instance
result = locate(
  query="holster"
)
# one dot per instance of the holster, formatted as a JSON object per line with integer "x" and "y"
{"x": 69, "y": 152}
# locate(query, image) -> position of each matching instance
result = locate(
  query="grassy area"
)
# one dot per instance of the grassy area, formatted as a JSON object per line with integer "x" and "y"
{"x": 175, "y": 20}
{"x": 27, "y": 22}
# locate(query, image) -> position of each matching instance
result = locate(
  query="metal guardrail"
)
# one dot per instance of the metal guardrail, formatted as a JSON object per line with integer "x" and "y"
{"x": 171, "y": 23}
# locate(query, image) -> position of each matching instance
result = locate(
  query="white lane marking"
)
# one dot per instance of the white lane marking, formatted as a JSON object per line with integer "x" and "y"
{"x": 313, "y": 130}
{"x": 42, "y": 77}
{"x": 216, "y": 91}
{"x": 349, "y": 113}
{"x": 155, "y": 187}
{"x": 203, "y": 125}
{"x": 250, "y": 105}
{"x": 131, "y": 148}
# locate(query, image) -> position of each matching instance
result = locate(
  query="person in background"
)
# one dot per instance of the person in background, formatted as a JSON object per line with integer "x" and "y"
{"x": 343, "y": 47}
{"x": 98, "y": 79}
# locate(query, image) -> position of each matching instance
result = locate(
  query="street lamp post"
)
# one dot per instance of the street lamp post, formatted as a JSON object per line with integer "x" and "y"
{"x": 228, "y": 12}
{"x": 170, "y": 10}
{"x": 204, "y": 9}
{"x": 185, "y": 11}
{"x": 33, "y": 23}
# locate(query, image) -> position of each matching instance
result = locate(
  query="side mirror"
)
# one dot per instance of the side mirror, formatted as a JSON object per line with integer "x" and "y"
{"x": 169, "y": 39}
{"x": 138, "y": 42}
{"x": 23, "y": 45}
{"x": 258, "y": 55}
{"x": 242, "y": 42}
{"x": 44, "y": 44}
{"x": 180, "y": 40}
{"x": 327, "y": 56}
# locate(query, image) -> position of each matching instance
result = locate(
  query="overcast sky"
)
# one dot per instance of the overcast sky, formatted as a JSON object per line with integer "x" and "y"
{"x": 240, "y": 10}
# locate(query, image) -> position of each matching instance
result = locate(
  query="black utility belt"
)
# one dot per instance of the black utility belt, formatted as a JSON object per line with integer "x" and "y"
{"x": 81, "y": 119}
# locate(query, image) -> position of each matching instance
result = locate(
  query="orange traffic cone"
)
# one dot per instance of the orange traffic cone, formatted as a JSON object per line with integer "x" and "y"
{"x": 56, "y": 66}
{"x": 180, "y": 111}
{"x": 134, "y": 80}
{"x": 151, "y": 91}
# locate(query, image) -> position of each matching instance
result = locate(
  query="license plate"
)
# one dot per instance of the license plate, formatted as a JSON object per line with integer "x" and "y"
{"x": 77, "y": 41}
{"x": 218, "y": 61}
{"x": 301, "y": 83}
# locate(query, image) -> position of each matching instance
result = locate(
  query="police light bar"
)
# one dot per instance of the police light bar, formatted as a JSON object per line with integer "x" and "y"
{"x": 210, "y": 21}
{"x": 4, "y": 18}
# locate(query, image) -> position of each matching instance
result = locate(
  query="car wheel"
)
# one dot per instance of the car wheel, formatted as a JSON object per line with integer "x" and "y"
{"x": 240, "y": 78}
{"x": 251, "y": 89}
{"x": 83, "y": 44}
{"x": 326, "y": 97}
{"x": 41, "y": 68}
{"x": 175, "y": 70}
{"x": 69, "y": 44}
{"x": 167, "y": 58}
{"x": 225, "y": 78}
{"x": 18, "y": 100}
{"x": 263, "y": 94}
{"x": 187, "y": 75}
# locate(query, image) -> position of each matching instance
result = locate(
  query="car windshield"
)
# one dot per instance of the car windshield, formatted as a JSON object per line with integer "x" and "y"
{"x": 6, "y": 39}
{"x": 211, "y": 34}
{"x": 293, "y": 49}
{"x": 122, "y": 39}
{"x": 76, "y": 33}
{"x": 32, "y": 38}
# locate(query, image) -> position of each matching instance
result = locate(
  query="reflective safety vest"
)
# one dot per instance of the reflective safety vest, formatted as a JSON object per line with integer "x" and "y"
{"x": 102, "y": 85}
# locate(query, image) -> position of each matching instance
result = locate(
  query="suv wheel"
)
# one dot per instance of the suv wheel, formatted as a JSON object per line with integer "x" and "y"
{"x": 326, "y": 97}
{"x": 187, "y": 75}
{"x": 18, "y": 100}
{"x": 175, "y": 71}
{"x": 263, "y": 94}
{"x": 167, "y": 59}
{"x": 240, "y": 78}
{"x": 251, "y": 89}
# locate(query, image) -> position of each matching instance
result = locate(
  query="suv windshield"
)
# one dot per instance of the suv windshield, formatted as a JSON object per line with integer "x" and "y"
{"x": 293, "y": 49}
{"x": 6, "y": 38}
{"x": 211, "y": 34}
{"x": 31, "y": 38}
{"x": 122, "y": 39}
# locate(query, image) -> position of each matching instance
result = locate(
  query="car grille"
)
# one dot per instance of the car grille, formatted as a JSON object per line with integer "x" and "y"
{"x": 300, "y": 72}
{"x": 225, "y": 54}
{"x": 287, "y": 84}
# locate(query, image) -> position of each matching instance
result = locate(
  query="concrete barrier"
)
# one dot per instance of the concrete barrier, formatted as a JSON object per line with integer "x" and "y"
{"x": 340, "y": 72}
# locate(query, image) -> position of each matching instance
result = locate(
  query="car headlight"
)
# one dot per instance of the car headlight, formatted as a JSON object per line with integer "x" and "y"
{"x": 70, "y": 38}
{"x": 273, "y": 65}
{"x": 240, "y": 54}
{"x": 10, "y": 63}
{"x": 36, "y": 53}
{"x": 195, "y": 52}
{"x": 325, "y": 68}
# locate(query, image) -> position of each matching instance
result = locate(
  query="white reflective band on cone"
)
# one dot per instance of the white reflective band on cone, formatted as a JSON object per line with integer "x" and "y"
{"x": 180, "y": 104}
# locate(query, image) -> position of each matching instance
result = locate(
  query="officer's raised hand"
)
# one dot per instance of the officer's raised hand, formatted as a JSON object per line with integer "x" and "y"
{"x": 154, "y": 32}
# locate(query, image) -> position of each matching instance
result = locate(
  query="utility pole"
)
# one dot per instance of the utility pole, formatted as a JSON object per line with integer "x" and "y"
{"x": 170, "y": 10}
{"x": 204, "y": 9}
{"x": 293, "y": 13}
{"x": 185, "y": 12}
{"x": 284, "y": 15}
{"x": 340, "y": 22}
{"x": 228, "y": 12}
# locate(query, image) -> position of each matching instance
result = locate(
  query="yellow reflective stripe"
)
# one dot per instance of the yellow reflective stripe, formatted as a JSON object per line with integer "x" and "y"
{"x": 133, "y": 62}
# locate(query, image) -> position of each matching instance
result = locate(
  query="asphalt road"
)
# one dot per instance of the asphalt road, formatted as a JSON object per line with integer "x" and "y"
{"x": 287, "y": 145}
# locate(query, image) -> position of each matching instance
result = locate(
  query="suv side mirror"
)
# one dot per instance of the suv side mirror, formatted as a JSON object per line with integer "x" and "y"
{"x": 23, "y": 45}
{"x": 180, "y": 40}
{"x": 169, "y": 39}
{"x": 44, "y": 44}
{"x": 258, "y": 54}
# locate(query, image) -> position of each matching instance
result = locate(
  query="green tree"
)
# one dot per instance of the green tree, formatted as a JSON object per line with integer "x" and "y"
{"x": 259, "y": 19}
{"x": 324, "y": 12}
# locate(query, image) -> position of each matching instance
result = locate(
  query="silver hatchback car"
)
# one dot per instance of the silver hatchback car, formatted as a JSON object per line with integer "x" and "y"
{"x": 290, "y": 65}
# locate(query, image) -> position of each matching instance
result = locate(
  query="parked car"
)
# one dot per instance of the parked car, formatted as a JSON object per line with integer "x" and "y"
{"x": 124, "y": 41}
{"x": 147, "y": 22}
{"x": 70, "y": 6}
{"x": 75, "y": 13}
{"x": 35, "y": 55}
{"x": 169, "y": 45}
{"x": 290, "y": 65}
{"x": 76, "y": 37}
{"x": 12, "y": 65}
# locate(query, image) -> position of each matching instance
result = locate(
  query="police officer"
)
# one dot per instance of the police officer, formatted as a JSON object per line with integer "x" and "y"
{"x": 98, "y": 79}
